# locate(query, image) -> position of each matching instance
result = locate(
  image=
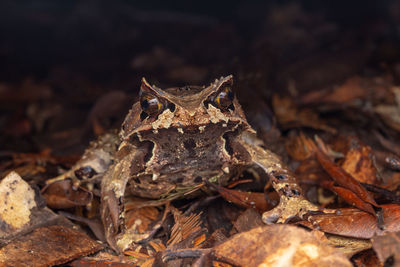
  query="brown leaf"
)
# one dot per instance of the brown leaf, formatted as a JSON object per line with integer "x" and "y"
{"x": 350, "y": 90}
{"x": 104, "y": 259}
{"x": 387, "y": 247}
{"x": 278, "y": 245}
{"x": 353, "y": 199}
{"x": 47, "y": 246}
{"x": 366, "y": 258}
{"x": 359, "y": 164}
{"x": 391, "y": 113}
{"x": 245, "y": 199}
{"x": 146, "y": 216}
{"x": 348, "y": 245}
{"x": 248, "y": 220}
{"x": 290, "y": 116}
{"x": 345, "y": 180}
{"x": 62, "y": 195}
{"x": 300, "y": 147}
{"x": 356, "y": 223}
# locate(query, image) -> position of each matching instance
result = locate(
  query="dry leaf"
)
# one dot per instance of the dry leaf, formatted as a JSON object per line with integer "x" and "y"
{"x": 47, "y": 246}
{"x": 278, "y": 245}
{"x": 353, "y": 192}
{"x": 62, "y": 195}
{"x": 391, "y": 113}
{"x": 387, "y": 247}
{"x": 360, "y": 165}
{"x": 356, "y": 223}
{"x": 290, "y": 116}
{"x": 244, "y": 199}
{"x": 300, "y": 147}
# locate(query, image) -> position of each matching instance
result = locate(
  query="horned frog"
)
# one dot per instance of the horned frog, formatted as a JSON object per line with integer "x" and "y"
{"x": 173, "y": 140}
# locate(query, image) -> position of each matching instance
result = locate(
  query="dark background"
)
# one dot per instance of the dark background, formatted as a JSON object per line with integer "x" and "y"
{"x": 68, "y": 65}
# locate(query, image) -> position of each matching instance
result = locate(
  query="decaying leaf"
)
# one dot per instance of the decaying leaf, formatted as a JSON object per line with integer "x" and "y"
{"x": 356, "y": 223}
{"x": 349, "y": 91}
{"x": 17, "y": 199}
{"x": 353, "y": 192}
{"x": 248, "y": 220}
{"x": 290, "y": 116}
{"x": 300, "y": 147}
{"x": 359, "y": 163}
{"x": 367, "y": 258}
{"x": 21, "y": 210}
{"x": 278, "y": 245}
{"x": 62, "y": 195}
{"x": 348, "y": 245}
{"x": 47, "y": 246}
{"x": 387, "y": 247}
{"x": 142, "y": 218}
{"x": 244, "y": 199}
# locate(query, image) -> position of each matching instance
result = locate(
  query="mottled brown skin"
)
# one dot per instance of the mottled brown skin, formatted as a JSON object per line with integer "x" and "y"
{"x": 191, "y": 139}
{"x": 180, "y": 148}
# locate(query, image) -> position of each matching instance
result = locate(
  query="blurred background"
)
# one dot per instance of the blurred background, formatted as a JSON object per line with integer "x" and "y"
{"x": 70, "y": 70}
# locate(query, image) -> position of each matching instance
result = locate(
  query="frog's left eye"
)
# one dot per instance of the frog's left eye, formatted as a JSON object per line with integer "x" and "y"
{"x": 222, "y": 99}
{"x": 151, "y": 105}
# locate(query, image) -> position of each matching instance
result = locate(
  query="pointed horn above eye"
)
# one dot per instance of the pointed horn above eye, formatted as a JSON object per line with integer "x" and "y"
{"x": 228, "y": 79}
{"x": 214, "y": 86}
{"x": 146, "y": 87}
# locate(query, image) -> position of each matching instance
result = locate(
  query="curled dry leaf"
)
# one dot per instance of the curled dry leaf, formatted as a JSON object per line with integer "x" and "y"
{"x": 62, "y": 195}
{"x": 278, "y": 245}
{"x": 345, "y": 180}
{"x": 244, "y": 199}
{"x": 356, "y": 223}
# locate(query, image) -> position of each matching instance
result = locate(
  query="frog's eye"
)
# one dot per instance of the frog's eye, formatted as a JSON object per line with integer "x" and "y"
{"x": 151, "y": 105}
{"x": 222, "y": 99}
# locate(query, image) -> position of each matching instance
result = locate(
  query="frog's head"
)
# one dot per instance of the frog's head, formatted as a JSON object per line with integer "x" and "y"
{"x": 184, "y": 108}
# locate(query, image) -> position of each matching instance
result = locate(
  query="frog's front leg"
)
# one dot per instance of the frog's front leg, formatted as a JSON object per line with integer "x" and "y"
{"x": 94, "y": 162}
{"x": 113, "y": 190}
{"x": 292, "y": 202}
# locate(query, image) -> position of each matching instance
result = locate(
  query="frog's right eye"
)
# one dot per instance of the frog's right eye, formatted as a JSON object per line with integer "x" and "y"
{"x": 151, "y": 105}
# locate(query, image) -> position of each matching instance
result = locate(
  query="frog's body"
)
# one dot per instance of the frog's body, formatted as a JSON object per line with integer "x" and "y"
{"x": 174, "y": 139}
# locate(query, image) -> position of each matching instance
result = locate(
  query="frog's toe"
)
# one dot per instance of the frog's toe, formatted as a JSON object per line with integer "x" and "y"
{"x": 110, "y": 214}
{"x": 288, "y": 208}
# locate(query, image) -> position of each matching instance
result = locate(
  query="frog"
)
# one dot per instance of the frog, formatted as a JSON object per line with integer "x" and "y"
{"x": 172, "y": 142}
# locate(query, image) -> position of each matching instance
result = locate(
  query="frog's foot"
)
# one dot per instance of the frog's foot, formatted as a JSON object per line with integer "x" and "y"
{"x": 129, "y": 221}
{"x": 292, "y": 202}
{"x": 128, "y": 229}
{"x": 288, "y": 208}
